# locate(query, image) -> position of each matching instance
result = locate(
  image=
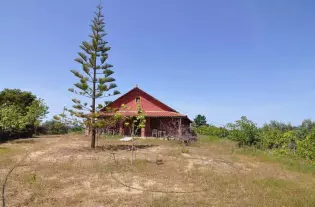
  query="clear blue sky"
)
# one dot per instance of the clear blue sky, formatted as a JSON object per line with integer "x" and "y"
{"x": 223, "y": 59}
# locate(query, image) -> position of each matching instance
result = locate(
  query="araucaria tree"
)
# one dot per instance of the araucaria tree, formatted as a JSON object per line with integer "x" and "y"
{"x": 96, "y": 79}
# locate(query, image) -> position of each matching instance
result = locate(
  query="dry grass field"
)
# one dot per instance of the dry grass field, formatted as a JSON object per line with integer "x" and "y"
{"x": 64, "y": 171}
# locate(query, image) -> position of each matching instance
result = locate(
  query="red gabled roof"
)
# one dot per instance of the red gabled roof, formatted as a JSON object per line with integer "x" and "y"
{"x": 150, "y": 105}
{"x": 147, "y": 113}
{"x": 116, "y": 104}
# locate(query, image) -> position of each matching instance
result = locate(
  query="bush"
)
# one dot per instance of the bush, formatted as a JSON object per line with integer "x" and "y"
{"x": 282, "y": 138}
{"x": 211, "y": 130}
{"x": 244, "y": 131}
{"x": 277, "y": 125}
{"x": 305, "y": 128}
{"x": 53, "y": 127}
{"x": 269, "y": 138}
{"x": 287, "y": 143}
{"x": 76, "y": 129}
{"x": 306, "y": 147}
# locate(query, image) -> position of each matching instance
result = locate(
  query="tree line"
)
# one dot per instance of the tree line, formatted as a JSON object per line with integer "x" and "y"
{"x": 21, "y": 113}
{"x": 279, "y": 137}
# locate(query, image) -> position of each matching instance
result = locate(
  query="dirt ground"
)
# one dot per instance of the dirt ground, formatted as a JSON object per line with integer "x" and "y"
{"x": 65, "y": 171}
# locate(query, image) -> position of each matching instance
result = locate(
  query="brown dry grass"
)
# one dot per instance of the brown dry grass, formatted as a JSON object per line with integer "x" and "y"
{"x": 64, "y": 171}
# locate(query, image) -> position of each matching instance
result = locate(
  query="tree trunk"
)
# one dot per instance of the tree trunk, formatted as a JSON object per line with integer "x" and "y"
{"x": 132, "y": 144}
{"x": 93, "y": 110}
{"x": 93, "y": 138}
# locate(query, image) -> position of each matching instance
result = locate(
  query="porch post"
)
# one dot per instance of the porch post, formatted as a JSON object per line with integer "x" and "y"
{"x": 145, "y": 129}
{"x": 121, "y": 129}
{"x": 143, "y": 132}
{"x": 180, "y": 127}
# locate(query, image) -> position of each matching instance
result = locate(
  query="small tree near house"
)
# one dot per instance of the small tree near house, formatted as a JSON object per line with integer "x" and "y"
{"x": 95, "y": 77}
{"x": 136, "y": 123}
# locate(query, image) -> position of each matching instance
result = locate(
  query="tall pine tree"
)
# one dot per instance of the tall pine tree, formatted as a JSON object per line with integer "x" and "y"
{"x": 96, "y": 79}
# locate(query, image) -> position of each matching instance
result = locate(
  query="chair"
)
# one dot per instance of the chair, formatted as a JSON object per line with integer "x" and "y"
{"x": 161, "y": 133}
{"x": 114, "y": 132}
{"x": 109, "y": 132}
{"x": 155, "y": 133}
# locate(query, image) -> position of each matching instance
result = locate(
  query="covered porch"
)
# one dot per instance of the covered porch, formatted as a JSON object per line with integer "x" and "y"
{"x": 156, "y": 127}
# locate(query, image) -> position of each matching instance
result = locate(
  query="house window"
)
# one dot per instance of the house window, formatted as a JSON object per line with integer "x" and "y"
{"x": 138, "y": 100}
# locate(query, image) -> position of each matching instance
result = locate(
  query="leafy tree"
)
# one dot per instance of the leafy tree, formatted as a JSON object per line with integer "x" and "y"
{"x": 200, "y": 120}
{"x": 96, "y": 79}
{"x": 283, "y": 127}
{"x": 21, "y": 99}
{"x": 244, "y": 131}
{"x": 20, "y": 113}
{"x": 12, "y": 122}
{"x": 36, "y": 113}
{"x": 136, "y": 122}
{"x": 305, "y": 128}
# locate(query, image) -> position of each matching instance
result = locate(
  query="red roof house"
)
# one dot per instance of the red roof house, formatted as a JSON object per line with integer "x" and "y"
{"x": 158, "y": 115}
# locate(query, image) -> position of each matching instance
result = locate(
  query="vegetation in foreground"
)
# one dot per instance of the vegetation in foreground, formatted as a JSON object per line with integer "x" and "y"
{"x": 291, "y": 142}
{"x": 65, "y": 171}
{"x": 21, "y": 113}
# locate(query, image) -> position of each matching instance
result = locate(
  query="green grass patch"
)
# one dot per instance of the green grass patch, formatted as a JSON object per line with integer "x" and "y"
{"x": 4, "y": 150}
{"x": 112, "y": 136}
{"x": 283, "y": 192}
{"x": 297, "y": 164}
{"x": 289, "y": 162}
{"x": 81, "y": 132}
{"x": 207, "y": 139}
{"x": 185, "y": 150}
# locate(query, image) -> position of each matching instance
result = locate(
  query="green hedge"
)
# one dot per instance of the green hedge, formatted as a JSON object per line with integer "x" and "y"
{"x": 211, "y": 130}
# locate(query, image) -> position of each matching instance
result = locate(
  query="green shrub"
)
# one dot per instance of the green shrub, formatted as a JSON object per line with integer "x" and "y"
{"x": 211, "y": 130}
{"x": 244, "y": 131}
{"x": 53, "y": 127}
{"x": 185, "y": 150}
{"x": 277, "y": 125}
{"x": 286, "y": 144}
{"x": 305, "y": 128}
{"x": 306, "y": 147}
{"x": 269, "y": 138}
{"x": 283, "y": 140}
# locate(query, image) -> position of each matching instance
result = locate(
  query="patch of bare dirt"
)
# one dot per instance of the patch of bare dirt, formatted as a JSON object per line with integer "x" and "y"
{"x": 65, "y": 171}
